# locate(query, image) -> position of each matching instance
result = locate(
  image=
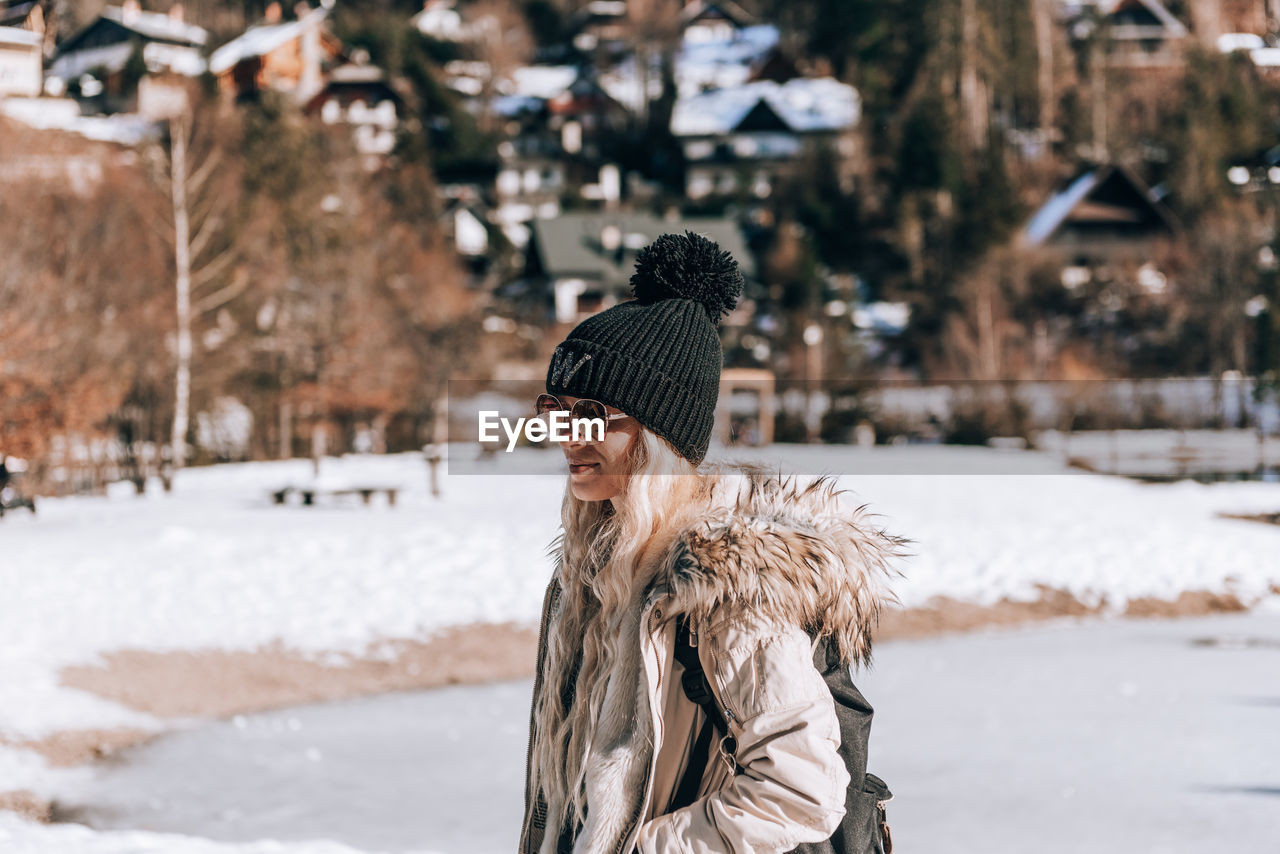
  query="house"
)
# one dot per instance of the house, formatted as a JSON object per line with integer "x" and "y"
{"x": 100, "y": 63}
{"x": 279, "y": 53}
{"x": 464, "y": 220}
{"x": 441, "y": 20}
{"x": 1105, "y": 217}
{"x": 712, "y": 20}
{"x": 580, "y": 263}
{"x": 737, "y": 59}
{"x": 22, "y": 43}
{"x": 1105, "y": 209}
{"x": 556, "y": 119}
{"x": 358, "y": 94}
{"x": 740, "y": 140}
{"x": 1139, "y": 34}
{"x": 600, "y": 25}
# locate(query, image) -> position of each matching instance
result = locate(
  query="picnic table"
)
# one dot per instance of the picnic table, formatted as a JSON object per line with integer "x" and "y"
{"x": 310, "y": 492}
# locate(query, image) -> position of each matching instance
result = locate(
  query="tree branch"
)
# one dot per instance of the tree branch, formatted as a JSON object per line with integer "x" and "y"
{"x": 208, "y": 226}
{"x": 213, "y": 269}
{"x": 196, "y": 180}
{"x": 219, "y": 298}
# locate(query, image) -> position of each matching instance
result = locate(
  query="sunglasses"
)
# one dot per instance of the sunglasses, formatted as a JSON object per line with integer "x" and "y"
{"x": 583, "y": 408}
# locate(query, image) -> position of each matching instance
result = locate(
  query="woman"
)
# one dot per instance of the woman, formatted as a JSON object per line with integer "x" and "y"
{"x": 658, "y": 551}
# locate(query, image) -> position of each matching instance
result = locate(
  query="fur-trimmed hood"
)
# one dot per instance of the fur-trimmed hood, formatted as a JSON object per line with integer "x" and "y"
{"x": 789, "y": 548}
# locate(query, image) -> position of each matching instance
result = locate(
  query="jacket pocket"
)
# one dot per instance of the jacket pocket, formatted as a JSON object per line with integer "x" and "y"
{"x": 864, "y": 829}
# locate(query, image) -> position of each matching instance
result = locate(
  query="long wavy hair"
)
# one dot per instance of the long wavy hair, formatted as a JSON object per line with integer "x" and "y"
{"x": 606, "y": 558}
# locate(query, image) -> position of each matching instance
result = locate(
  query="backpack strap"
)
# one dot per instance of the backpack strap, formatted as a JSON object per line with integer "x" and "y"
{"x": 698, "y": 689}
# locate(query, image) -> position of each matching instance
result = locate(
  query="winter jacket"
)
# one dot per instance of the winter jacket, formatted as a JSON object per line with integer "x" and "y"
{"x": 771, "y": 566}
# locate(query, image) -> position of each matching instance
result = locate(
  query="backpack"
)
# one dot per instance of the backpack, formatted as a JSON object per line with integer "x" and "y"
{"x": 864, "y": 828}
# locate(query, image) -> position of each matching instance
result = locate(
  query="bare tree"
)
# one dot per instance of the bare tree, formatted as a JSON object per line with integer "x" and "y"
{"x": 1042, "y": 24}
{"x": 76, "y": 331}
{"x": 199, "y": 196}
{"x": 985, "y": 339}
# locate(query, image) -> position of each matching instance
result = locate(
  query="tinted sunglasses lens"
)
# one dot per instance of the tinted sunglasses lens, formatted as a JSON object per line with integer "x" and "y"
{"x": 590, "y": 409}
{"x": 547, "y": 403}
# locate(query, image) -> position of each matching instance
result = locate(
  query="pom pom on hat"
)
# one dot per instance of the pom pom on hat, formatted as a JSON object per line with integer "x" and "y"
{"x": 688, "y": 266}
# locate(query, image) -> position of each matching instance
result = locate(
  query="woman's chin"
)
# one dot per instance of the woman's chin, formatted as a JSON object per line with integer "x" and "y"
{"x": 592, "y": 487}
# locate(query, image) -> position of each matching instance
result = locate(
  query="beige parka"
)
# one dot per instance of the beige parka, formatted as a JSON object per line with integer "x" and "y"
{"x": 773, "y": 565}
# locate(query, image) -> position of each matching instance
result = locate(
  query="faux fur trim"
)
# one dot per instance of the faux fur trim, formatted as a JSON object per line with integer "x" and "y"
{"x": 785, "y": 549}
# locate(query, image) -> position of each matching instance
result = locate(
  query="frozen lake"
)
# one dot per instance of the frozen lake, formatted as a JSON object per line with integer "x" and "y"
{"x": 1133, "y": 736}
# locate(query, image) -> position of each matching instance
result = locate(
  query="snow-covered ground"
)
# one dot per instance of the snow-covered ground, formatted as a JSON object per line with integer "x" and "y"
{"x": 216, "y": 566}
{"x": 1149, "y": 737}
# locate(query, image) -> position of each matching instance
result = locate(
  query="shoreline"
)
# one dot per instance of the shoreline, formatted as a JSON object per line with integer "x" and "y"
{"x": 219, "y": 684}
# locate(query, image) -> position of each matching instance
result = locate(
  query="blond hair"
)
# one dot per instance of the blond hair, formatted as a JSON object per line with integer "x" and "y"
{"x": 606, "y": 558}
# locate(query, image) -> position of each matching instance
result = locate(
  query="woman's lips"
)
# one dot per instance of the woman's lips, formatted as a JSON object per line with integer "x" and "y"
{"x": 582, "y": 468}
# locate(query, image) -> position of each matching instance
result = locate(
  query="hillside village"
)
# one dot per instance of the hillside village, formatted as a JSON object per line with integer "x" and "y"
{"x": 1039, "y": 190}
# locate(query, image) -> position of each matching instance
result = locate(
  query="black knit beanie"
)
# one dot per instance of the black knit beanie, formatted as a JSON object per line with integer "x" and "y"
{"x": 657, "y": 358}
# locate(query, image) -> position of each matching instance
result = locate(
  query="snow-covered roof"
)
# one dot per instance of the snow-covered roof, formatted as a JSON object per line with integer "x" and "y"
{"x": 17, "y": 36}
{"x": 700, "y": 65}
{"x": 64, "y": 114}
{"x": 805, "y": 105}
{"x": 1053, "y": 212}
{"x": 726, "y": 9}
{"x": 1163, "y": 17}
{"x": 158, "y": 56}
{"x": 612, "y": 8}
{"x": 1266, "y": 57}
{"x": 718, "y": 64}
{"x": 542, "y": 81}
{"x": 1228, "y": 42}
{"x": 889, "y": 318}
{"x": 441, "y": 20}
{"x": 353, "y": 72}
{"x": 156, "y": 25}
{"x": 111, "y": 57}
{"x": 262, "y": 39}
{"x": 1108, "y": 194}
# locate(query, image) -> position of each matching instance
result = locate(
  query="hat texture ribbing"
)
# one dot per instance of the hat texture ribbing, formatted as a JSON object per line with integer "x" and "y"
{"x": 657, "y": 357}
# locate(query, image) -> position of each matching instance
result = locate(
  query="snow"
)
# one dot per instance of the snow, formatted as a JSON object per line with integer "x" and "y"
{"x": 22, "y": 38}
{"x": 1054, "y": 211}
{"x": 1228, "y": 42}
{"x": 1265, "y": 57}
{"x": 543, "y": 82}
{"x": 156, "y": 25}
{"x": 442, "y": 21}
{"x": 1138, "y": 736}
{"x": 21, "y": 837}
{"x": 889, "y": 318}
{"x": 216, "y": 565}
{"x": 717, "y": 64}
{"x": 64, "y": 114}
{"x": 700, "y": 66}
{"x": 380, "y": 773}
{"x": 804, "y": 104}
{"x": 262, "y": 39}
